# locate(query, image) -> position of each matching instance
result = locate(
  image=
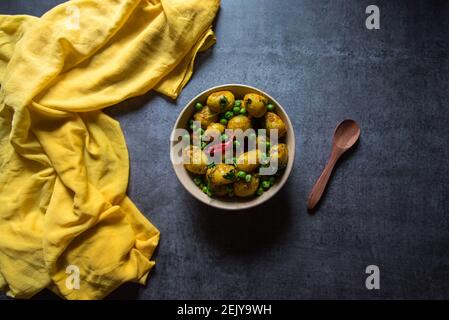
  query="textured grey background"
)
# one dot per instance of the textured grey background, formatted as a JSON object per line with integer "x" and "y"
{"x": 387, "y": 204}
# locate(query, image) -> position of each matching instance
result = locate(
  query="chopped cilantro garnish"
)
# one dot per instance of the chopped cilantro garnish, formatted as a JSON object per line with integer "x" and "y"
{"x": 211, "y": 165}
{"x": 230, "y": 175}
{"x": 223, "y": 102}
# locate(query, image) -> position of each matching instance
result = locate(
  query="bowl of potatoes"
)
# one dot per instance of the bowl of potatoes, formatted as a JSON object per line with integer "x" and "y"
{"x": 233, "y": 147}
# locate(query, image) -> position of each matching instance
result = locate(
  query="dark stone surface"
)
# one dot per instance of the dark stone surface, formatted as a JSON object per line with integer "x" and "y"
{"x": 387, "y": 203}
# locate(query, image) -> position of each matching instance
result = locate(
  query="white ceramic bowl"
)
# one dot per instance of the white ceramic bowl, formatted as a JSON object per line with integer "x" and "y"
{"x": 234, "y": 203}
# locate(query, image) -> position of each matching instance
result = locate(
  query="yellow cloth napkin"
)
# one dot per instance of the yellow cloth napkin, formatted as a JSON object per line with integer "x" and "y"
{"x": 63, "y": 162}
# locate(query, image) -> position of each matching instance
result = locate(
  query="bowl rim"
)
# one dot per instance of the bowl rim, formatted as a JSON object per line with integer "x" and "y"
{"x": 219, "y": 204}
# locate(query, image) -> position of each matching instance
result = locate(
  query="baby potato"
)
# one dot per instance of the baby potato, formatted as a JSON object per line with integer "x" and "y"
{"x": 246, "y": 189}
{"x": 255, "y": 104}
{"x": 206, "y": 116}
{"x": 274, "y": 122}
{"x": 196, "y": 160}
{"x": 239, "y": 122}
{"x": 217, "y": 127}
{"x": 248, "y": 161}
{"x": 279, "y": 152}
{"x": 221, "y": 174}
{"x": 221, "y": 101}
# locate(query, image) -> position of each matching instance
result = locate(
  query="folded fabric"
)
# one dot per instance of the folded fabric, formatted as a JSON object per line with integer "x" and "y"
{"x": 63, "y": 162}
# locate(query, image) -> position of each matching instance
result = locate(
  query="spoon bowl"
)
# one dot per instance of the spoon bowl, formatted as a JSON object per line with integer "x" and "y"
{"x": 346, "y": 134}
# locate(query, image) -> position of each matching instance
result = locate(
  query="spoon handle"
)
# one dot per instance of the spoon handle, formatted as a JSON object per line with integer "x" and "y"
{"x": 321, "y": 183}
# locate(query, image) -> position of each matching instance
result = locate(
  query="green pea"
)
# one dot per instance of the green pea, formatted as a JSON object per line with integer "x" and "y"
{"x": 228, "y": 115}
{"x": 270, "y": 107}
{"x": 265, "y": 161}
{"x": 234, "y": 160}
{"x": 259, "y": 191}
{"x": 202, "y": 185}
{"x": 238, "y": 103}
{"x": 268, "y": 144}
{"x": 241, "y": 174}
{"x": 248, "y": 178}
{"x": 224, "y": 136}
{"x": 264, "y": 158}
{"x": 205, "y": 189}
{"x": 242, "y": 111}
{"x": 237, "y": 143}
{"x": 223, "y": 121}
{"x": 236, "y": 110}
{"x": 198, "y": 106}
{"x": 266, "y": 184}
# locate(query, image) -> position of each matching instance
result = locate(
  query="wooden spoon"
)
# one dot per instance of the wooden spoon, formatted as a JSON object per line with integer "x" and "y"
{"x": 345, "y": 136}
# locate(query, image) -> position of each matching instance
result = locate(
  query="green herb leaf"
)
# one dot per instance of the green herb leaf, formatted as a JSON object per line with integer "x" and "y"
{"x": 230, "y": 175}
{"x": 211, "y": 165}
{"x": 223, "y": 102}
